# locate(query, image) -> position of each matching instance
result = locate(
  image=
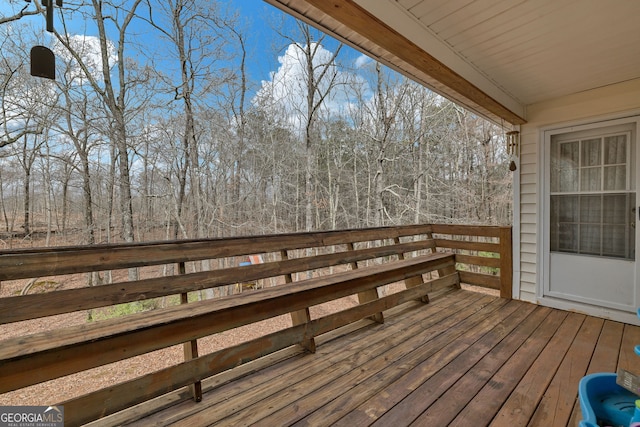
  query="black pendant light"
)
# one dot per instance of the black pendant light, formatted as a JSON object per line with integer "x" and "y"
{"x": 43, "y": 61}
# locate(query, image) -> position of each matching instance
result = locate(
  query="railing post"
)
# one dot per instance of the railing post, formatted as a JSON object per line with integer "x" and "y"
{"x": 506, "y": 263}
{"x": 447, "y": 270}
{"x": 301, "y": 316}
{"x": 191, "y": 347}
{"x": 366, "y": 296}
{"x": 414, "y": 281}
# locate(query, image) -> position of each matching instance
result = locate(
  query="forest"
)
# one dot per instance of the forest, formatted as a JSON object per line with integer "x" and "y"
{"x": 157, "y": 127}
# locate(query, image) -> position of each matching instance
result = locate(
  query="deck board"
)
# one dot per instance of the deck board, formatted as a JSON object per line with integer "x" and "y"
{"x": 454, "y": 399}
{"x": 463, "y": 359}
{"x": 488, "y": 401}
{"x": 559, "y": 398}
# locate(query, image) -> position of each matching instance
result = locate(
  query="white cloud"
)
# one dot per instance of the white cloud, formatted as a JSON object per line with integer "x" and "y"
{"x": 361, "y": 61}
{"x": 286, "y": 89}
{"x": 89, "y": 50}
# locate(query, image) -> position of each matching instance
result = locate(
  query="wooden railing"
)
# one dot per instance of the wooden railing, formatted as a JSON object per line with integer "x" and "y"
{"x": 483, "y": 254}
{"x": 333, "y": 265}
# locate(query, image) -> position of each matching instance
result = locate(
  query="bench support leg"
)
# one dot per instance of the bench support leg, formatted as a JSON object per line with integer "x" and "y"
{"x": 191, "y": 347}
{"x": 301, "y": 316}
{"x": 414, "y": 281}
{"x": 298, "y": 318}
{"x": 367, "y": 296}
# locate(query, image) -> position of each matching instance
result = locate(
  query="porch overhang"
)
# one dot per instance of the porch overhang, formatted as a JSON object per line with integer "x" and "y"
{"x": 494, "y": 58}
{"x": 359, "y": 26}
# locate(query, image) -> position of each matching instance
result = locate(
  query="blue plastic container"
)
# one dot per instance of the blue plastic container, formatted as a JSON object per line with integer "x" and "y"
{"x": 635, "y": 420}
{"x": 605, "y": 403}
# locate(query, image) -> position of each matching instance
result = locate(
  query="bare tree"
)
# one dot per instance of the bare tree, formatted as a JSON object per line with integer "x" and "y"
{"x": 14, "y": 16}
{"x": 112, "y": 90}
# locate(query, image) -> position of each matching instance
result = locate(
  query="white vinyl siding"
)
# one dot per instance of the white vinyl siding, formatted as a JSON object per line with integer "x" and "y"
{"x": 610, "y": 102}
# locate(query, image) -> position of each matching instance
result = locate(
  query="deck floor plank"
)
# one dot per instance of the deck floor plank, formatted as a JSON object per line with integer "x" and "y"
{"x": 524, "y": 400}
{"x": 561, "y": 395}
{"x": 339, "y": 395}
{"x": 464, "y": 335}
{"x": 222, "y": 383}
{"x": 463, "y": 359}
{"x": 487, "y": 402}
{"x": 405, "y": 412}
{"x": 604, "y": 358}
{"x": 454, "y": 400}
{"x": 308, "y": 395}
{"x": 630, "y": 338}
{"x": 329, "y": 362}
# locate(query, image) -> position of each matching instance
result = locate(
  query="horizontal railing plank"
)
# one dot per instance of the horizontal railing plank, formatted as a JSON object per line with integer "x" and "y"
{"x": 479, "y": 279}
{"x": 28, "y": 263}
{"x": 466, "y": 230}
{"x": 469, "y": 246}
{"x": 53, "y": 354}
{"x": 478, "y": 260}
{"x": 24, "y": 307}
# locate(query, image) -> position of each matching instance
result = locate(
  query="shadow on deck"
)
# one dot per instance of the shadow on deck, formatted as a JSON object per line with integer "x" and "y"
{"x": 465, "y": 359}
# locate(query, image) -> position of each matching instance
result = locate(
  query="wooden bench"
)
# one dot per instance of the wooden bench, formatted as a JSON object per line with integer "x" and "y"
{"x": 28, "y": 360}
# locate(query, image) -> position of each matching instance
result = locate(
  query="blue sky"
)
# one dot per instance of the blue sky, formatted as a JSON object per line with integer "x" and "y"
{"x": 264, "y": 44}
{"x": 261, "y": 16}
{"x": 258, "y": 21}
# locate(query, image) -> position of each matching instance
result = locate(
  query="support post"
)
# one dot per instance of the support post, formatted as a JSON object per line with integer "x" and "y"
{"x": 301, "y": 316}
{"x": 414, "y": 281}
{"x": 191, "y": 347}
{"x": 506, "y": 262}
{"x": 366, "y": 296}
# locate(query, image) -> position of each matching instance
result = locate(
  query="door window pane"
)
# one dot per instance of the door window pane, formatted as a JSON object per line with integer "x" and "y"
{"x": 613, "y": 240}
{"x": 615, "y": 150}
{"x": 565, "y": 167}
{"x": 590, "y": 180}
{"x": 590, "y": 209}
{"x": 590, "y": 239}
{"x": 592, "y": 203}
{"x": 591, "y": 150}
{"x": 615, "y": 209}
{"x": 615, "y": 177}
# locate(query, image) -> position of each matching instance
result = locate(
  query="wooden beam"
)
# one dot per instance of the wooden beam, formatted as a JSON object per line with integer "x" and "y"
{"x": 506, "y": 262}
{"x": 479, "y": 260}
{"x": 414, "y": 281}
{"x": 190, "y": 349}
{"x": 469, "y": 246}
{"x": 370, "y": 294}
{"x": 299, "y": 317}
{"x": 358, "y": 19}
{"x": 466, "y": 230}
{"x": 479, "y": 279}
{"x": 28, "y": 263}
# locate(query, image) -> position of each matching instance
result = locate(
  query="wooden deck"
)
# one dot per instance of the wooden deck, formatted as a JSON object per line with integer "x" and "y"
{"x": 465, "y": 359}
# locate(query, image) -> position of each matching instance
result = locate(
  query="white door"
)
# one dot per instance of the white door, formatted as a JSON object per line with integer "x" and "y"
{"x": 591, "y": 217}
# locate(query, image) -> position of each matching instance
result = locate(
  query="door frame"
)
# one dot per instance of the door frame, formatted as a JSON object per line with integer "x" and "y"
{"x": 543, "y": 244}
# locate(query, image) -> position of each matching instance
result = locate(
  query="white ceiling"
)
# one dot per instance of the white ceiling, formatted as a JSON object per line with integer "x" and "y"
{"x": 517, "y": 52}
{"x": 537, "y": 49}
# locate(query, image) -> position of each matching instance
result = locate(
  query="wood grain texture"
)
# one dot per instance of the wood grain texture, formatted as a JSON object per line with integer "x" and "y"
{"x": 464, "y": 359}
{"x": 115, "y": 398}
{"x": 404, "y": 253}
{"x": 74, "y": 349}
{"x": 524, "y": 400}
{"x": 13, "y": 309}
{"x": 26, "y": 263}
